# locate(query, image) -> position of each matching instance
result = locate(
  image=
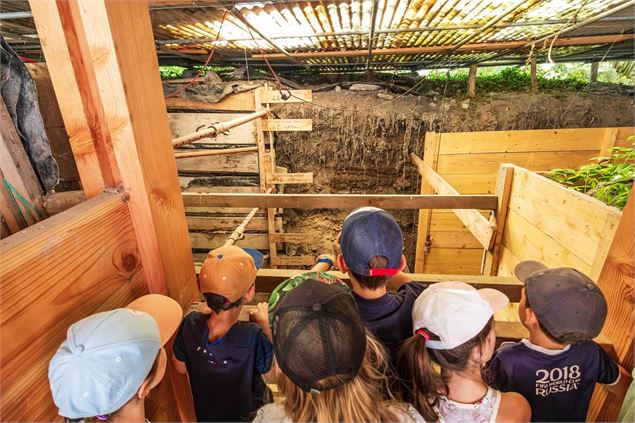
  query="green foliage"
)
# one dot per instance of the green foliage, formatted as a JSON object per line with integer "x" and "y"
{"x": 171, "y": 72}
{"x": 609, "y": 179}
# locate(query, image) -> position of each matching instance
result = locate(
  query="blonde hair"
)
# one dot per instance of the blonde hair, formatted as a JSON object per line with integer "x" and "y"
{"x": 359, "y": 400}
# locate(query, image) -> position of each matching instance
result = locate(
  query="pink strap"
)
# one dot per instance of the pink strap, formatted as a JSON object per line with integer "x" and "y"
{"x": 423, "y": 333}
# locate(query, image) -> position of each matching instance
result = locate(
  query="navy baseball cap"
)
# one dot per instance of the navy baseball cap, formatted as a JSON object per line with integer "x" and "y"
{"x": 564, "y": 299}
{"x": 368, "y": 232}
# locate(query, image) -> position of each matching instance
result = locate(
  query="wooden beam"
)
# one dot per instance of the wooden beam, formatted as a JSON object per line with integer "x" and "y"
{"x": 503, "y": 192}
{"x": 58, "y": 202}
{"x": 289, "y": 178}
{"x": 478, "y": 47}
{"x": 93, "y": 264}
{"x": 471, "y": 81}
{"x": 430, "y": 156}
{"x": 532, "y": 74}
{"x": 617, "y": 281}
{"x": 472, "y": 219}
{"x": 57, "y": 54}
{"x": 183, "y": 123}
{"x": 217, "y": 152}
{"x": 287, "y": 125}
{"x": 113, "y": 51}
{"x": 342, "y": 201}
{"x": 268, "y": 279}
{"x": 240, "y": 102}
{"x": 594, "y": 71}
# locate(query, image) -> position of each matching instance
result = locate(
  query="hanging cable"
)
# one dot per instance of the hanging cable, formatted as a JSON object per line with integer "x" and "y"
{"x": 209, "y": 59}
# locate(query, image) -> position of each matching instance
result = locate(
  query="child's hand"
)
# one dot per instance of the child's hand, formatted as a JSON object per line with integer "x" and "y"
{"x": 260, "y": 314}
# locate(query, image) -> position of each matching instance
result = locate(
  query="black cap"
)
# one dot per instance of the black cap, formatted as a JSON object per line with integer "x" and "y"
{"x": 564, "y": 299}
{"x": 318, "y": 336}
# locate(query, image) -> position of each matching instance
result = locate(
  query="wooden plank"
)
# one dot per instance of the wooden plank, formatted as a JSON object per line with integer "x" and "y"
{"x": 430, "y": 155}
{"x": 92, "y": 267}
{"x": 187, "y": 123}
{"x": 16, "y": 167}
{"x": 293, "y": 238}
{"x": 475, "y": 183}
{"x": 610, "y": 137}
{"x": 625, "y": 136}
{"x": 58, "y": 58}
{"x": 209, "y": 241}
{"x": 617, "y": 282}
{"x": 243, "y": 163}
{"x": 9, "y": 212}
{"x": 341, "y": 201}
{"x": 532, "y": 140}
{"x": 287, "y": 125}
{"x": 224, "y": 223}
{"x": 192, "y": 184}
{"x": 453, "y": 239}
{"x": 503, "y": 192}
{"x": 292, "y": 260}
{"x": 462, "y": 261}
{"x": 467, "y": 164}
{"x": 197, "y": 152}
{"x": 275, "y": 96}
{"x": 527, "y": 242}
{"x": 480, "y": 227}
{"x": 289, "y": 178}
{"x": 115, "y": 53}
{"x": 574, "y": 219}
{"x": 240, "y": 102}
{"x": 443, "y": 220}
{"x": 268, "y": 279}
{"x": 507, "y": 262}
{"x": 603, "y": 245}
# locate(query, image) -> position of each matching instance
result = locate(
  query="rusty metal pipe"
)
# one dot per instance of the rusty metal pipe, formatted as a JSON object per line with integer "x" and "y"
{"x": 218, "y": 128}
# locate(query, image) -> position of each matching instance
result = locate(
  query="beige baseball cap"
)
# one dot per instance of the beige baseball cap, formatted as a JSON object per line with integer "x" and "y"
{"x": 230, "y": 271}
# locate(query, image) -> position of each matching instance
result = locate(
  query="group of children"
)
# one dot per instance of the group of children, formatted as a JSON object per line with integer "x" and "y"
{"x": 353, "y": 353}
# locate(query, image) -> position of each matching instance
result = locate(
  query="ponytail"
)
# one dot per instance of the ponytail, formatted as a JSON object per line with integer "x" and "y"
{"x": 421, "y": 385}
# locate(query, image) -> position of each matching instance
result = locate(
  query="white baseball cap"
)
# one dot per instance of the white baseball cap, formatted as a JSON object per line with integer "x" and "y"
{"x": 455, "y": 311}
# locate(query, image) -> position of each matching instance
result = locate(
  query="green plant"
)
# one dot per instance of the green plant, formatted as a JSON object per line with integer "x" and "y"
{"x": 609, "y": 179}
{"x": 171, "y": 72}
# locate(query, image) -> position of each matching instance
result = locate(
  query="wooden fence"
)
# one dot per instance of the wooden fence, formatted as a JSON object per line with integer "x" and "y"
{"x": 469, "y": 161}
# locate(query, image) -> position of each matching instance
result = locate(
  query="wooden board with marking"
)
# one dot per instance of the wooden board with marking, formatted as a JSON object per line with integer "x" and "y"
{"x": 297, "y": 96}
{"x": 289, "y": 178}
{"x": 294, "y": 238}
{"x": 186, "y": 123}
{"x": 244, "y": 163}
{"x": 209, "y": 241}
{"x": 224, "y": 223}
{"x": 287, "y": 125}
{"x": 293, "y": 261}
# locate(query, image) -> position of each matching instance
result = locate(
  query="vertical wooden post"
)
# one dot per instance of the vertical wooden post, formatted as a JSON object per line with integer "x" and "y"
{"x": 430, "y": 157}
{"x": 617, "y": 282}
{"x": 114, "y": 58}
{"x": 471, "y": 81}
{"x": 595, "y": 66}
{"x": 503, "y": 191}
{"x": 532, "y": 72}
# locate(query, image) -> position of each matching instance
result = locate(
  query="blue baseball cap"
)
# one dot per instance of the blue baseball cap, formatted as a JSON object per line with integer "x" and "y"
{"x": 106, "y": 357}
{"x": 368, "y": 232}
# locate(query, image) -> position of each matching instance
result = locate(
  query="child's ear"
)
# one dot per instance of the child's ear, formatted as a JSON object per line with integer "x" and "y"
{"x": 155, "y": 376}
{"x": 341, "y": 264}
{"x": 250, "y": 294}
{"x": 403, "y": 263}
{"x": 530, "y": 317}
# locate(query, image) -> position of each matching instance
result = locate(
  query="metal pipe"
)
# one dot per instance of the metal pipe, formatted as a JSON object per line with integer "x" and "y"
{"x": 218, "y": 128}
{"x": 239, "y": 231}
{"x": 15, "y": 15}
{"x": 563, "y": 31}
{"x": 371, "y": 34}
{"x": 204, "y": 153}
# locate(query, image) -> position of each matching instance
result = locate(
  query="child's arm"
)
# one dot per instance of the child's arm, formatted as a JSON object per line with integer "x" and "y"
{"x": 260, "y": 315}
{"x": 179, "y": 365}
{"x": 623, "y": 382}
{"x": 178, "y": 352}
{"x": 324, "y": 266}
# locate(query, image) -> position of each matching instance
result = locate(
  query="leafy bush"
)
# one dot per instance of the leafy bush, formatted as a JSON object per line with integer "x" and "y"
{"x": 171, "y": 72}
{"x": 610, "y": 179}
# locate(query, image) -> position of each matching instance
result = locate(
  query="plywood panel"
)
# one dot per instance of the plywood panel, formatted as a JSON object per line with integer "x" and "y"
{"x": 454, "y": 260}
{"x": 480, "y": 163}
{"x": 53, "y": 274}
{"x": 553, "y": 140}
{"x": 245, "y": 163}
{"x": 576, "y": 220}
{"x": 187, "y": 123}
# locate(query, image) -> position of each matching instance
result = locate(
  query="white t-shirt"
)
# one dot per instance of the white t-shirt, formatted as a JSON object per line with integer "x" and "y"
{"x": 276, "y": 413}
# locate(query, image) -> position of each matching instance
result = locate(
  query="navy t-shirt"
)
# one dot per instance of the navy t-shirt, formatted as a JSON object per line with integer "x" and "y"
{"x": 557, "y": 384}
{"x": 390, "y": 316}
{"x": 225, "y": 375}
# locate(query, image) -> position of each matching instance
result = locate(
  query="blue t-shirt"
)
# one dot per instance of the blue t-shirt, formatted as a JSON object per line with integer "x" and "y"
{"x": 557, "y": 384}
{"x": 390, "y": 316}
{"x": 225, "y": 375}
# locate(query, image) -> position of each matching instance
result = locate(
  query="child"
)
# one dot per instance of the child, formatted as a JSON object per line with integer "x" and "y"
{"x": 330, "y": 370}
{"x": 223, "y": 357}
{"x": 454, "y": 328}
{"x": 371, "y": 245}
{"x": 110, "y": 361}
{"x": 556, "y": 369}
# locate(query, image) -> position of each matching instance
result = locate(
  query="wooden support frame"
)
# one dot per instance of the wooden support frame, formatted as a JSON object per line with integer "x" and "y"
{"x": 503, "y": 192}
{"x": 481, "y": 228}
{"x": 342, "y": 201}
{"x": 104, "y": 69}
{"x": 430, "y": 155}
{"x": 471, "y": 81}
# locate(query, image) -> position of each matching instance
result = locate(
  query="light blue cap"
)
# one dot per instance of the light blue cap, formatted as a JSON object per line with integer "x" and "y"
{"x": 103, "y": 362}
